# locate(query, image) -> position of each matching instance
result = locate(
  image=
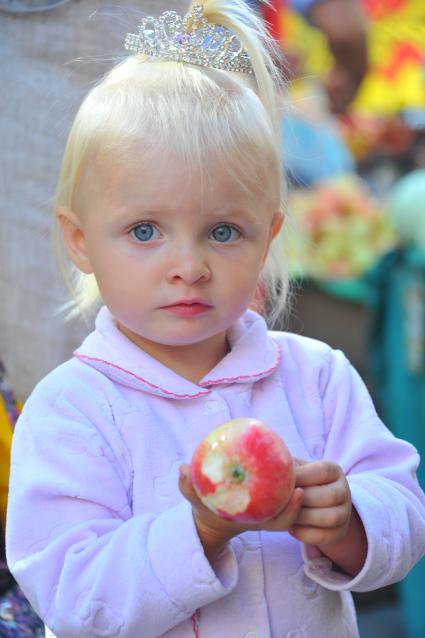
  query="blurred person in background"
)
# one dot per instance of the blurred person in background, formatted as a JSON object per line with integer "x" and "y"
{"x": 344, "y": 26}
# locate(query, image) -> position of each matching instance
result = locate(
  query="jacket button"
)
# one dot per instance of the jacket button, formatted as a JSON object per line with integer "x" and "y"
{"x": 211, "y": 405}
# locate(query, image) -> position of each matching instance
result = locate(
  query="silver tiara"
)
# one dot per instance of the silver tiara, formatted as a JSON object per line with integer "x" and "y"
{"x": 190, "y": 38}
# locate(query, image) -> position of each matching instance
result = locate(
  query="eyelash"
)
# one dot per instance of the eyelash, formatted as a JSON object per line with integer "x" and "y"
{"x": 233, "y": 229}
{"x": 133, "y": 230}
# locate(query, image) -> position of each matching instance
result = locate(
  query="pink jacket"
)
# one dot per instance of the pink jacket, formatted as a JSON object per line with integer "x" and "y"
{"x": 101, "y": 540}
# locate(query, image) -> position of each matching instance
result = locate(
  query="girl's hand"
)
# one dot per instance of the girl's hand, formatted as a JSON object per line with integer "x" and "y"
{"x": 327, "y": 518}
{"x": 326, "y": 510}
{"x": 214, "y": 532}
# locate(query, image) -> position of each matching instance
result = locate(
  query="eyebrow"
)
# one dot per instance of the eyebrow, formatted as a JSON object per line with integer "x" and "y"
{"x": 140, "y": 210}
{"x": 236, "y": 214}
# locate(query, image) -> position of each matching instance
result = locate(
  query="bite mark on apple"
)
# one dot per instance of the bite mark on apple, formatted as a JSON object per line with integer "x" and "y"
{"x": 213, "y": 466}
{"x": 229, "y": 500}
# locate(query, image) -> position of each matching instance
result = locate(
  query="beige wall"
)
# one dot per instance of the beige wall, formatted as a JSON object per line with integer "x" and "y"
{"x": 47, "y": 62}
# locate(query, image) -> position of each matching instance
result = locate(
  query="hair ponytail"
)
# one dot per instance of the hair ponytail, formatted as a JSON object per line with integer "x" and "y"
{"x": 258, "y": 43}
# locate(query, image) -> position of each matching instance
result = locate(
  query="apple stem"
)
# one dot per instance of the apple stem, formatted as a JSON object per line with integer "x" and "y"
{"x": 238, "y": 474}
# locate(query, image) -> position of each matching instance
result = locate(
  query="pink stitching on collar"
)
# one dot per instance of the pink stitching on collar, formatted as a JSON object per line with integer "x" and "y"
{"x": 148, "y": 383}
{"x": 248, "y": 376}
{"x": 204, "y": 383}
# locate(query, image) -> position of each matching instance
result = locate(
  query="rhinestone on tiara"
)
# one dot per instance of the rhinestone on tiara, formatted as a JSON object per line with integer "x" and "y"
{"x": 190, "y": 38}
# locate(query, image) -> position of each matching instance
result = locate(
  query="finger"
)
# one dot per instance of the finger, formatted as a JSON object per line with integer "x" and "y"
{"x": 184, "y": 469}
{"x": 325, "y": 517}
{"x": 298, "y": 461}
{"x": 330, "y": 495}
{"x": 317, "y": 535}
{"x": 184, "y": 475}
{"x": 317, "y": 473}
{"x": 186, "y": 486}
{"x": 287, "y": 517}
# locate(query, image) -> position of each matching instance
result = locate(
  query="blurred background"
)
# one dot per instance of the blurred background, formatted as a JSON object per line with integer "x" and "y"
{"x": 353, "y": 130}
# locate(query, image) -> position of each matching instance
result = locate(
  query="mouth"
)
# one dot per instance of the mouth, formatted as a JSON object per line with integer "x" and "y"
{"x": 188, "y": 307}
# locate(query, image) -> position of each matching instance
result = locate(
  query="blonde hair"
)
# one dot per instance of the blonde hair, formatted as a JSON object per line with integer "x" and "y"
{"x": 193, "y": 111}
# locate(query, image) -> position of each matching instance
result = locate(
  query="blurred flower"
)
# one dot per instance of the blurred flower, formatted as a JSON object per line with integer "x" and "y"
{"x": 338, "y": 230}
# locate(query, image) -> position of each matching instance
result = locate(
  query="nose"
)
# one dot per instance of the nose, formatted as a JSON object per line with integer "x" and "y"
{"x": 189, "y": 266}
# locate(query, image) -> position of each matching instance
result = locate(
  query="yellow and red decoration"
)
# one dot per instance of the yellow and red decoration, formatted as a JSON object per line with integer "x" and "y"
{"x": 396, "y": 78}
{"x": 9, "y": 411}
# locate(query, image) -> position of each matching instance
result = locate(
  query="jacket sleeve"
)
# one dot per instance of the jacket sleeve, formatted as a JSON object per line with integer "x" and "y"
{"x": 87, "y": 565}
{"x": 381, "y": 471}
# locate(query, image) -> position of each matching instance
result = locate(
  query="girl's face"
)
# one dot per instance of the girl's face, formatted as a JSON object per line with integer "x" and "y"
{"x": 176, "y": 257}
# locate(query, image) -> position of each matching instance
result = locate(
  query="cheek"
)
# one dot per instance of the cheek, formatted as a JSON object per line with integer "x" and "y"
{"x": 239, "y": 280}
{"x": 114, "y": 273}
{"x": 251, "y": 263}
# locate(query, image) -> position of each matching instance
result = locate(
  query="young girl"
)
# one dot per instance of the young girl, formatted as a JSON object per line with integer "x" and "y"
{"x": 169, "y": 199}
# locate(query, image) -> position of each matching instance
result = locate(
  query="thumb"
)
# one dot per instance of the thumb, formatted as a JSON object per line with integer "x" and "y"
{"x": 184, "y": 470}
{"x": 185, "y": 484}
{"x": 298, "y": 462}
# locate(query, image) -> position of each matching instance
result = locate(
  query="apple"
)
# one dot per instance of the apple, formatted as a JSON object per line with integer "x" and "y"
{"x": 243, "y": 471}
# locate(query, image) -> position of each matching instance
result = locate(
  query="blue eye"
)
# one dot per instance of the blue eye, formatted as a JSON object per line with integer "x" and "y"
{"x": 144, "y": 232}
{"x": 225, "y": 233}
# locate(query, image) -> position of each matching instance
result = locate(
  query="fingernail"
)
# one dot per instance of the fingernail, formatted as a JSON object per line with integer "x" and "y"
{"x": 183, "y": 471}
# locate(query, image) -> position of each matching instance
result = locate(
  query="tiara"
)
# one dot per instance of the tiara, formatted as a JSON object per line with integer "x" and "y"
{"x": 190, "y": 38}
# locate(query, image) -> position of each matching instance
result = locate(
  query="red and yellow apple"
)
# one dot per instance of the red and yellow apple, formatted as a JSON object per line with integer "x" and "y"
{"x": 243, "y": 471}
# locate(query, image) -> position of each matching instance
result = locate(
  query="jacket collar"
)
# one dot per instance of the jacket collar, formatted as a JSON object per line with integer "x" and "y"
{"x": 253, "y": 356}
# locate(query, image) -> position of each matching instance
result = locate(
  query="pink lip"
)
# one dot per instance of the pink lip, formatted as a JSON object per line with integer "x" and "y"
{"x": 188, "y": 307}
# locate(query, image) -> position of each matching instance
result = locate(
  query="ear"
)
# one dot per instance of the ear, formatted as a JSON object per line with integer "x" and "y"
{"x": 275, "y": 226}
{"x": 73, "y": 237}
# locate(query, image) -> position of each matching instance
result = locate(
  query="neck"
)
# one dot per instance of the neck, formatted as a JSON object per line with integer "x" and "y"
{"x": 191, "y": 361}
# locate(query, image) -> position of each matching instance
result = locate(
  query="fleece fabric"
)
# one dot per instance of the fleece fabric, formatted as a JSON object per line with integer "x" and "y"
{"x": 101, "y": 540}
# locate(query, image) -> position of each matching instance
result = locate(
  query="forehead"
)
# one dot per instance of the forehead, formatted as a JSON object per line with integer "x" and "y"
{"x": 163, "y": 179}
